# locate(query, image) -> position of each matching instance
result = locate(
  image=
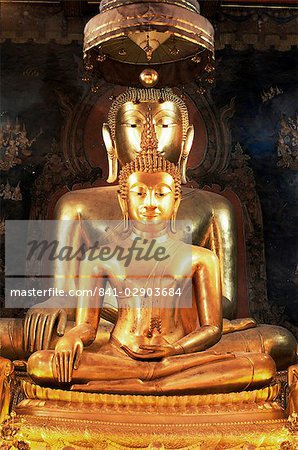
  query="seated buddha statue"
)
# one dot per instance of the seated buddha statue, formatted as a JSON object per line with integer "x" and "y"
{"x": 155, "y": 346}
{"x": 211, "y": 216}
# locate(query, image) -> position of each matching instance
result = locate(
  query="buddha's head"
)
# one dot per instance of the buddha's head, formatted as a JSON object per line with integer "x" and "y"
{"x": 150, "y": 185}
{"x": 127, "y": 119}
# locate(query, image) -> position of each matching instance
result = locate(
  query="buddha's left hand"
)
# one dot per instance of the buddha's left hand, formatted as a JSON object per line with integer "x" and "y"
{"x": 153, "y": 351}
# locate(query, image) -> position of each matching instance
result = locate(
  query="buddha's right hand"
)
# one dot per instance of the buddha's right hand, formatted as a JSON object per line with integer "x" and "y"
{"x": 40, "y": 322}
{"x": 67, "y": 356}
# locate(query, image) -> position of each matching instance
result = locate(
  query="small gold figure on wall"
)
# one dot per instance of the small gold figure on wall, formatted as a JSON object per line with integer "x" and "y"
{"x": 14, "y": 144}
{"x": 287, "y": 150}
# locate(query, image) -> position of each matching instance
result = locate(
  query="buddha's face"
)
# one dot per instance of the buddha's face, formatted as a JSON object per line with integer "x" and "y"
{"x": 130, "y": 121}
{"x": 151, "y": 197}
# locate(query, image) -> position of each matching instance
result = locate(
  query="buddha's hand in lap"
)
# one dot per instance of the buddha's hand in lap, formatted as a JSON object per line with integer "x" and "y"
{"x": 154, "y": 351}
{"x": 68, "y": 352}
{"x": 40, "y": 322}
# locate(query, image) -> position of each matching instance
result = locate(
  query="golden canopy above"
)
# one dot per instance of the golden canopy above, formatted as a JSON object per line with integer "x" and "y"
{"x": 128, "y": 36}
{"x": 192, "y": 5}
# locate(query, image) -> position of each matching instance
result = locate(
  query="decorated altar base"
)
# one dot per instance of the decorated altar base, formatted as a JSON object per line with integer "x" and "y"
{"x": 55, "y": 433}
{"x": 55, "y": 419}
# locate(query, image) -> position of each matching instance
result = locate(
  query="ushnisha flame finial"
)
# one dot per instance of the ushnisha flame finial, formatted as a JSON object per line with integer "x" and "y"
{"x": 149, "y": 141}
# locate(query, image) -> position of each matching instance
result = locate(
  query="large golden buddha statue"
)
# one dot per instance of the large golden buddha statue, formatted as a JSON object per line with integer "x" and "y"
{"x": 155, "y": 346}
{"x": 211, "y": 215}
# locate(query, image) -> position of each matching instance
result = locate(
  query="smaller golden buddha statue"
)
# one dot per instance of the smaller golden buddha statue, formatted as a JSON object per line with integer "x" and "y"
{"x": 157, "y": 346}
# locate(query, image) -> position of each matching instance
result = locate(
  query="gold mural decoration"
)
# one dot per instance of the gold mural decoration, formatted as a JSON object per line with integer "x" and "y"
{"x": 266, "y": 96}
{"x": 58, "y": 173}
{"x": 14, "y": 144}
{"x": 8, "y": 192}
{"x": 287, "y": 150}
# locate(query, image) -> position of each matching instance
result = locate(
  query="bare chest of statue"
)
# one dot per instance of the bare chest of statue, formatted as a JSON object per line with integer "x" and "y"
{"x": 151, "y": 292}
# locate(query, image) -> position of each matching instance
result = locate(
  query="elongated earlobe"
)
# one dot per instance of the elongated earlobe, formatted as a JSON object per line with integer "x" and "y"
{"x": 125, "y": 223}
{"x": 174, "y": 215}
{"x": 173, "y": 223}
{"x": 186, "y": 147}
{"x": 111, "y": 152}
{"x": 124, "y": 210}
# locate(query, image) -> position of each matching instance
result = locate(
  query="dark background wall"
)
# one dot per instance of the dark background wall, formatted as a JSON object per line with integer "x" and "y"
{"x": 256, "y": 125}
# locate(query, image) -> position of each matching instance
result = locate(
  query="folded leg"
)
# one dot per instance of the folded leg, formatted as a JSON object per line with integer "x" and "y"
{"x": 222, "y": 375}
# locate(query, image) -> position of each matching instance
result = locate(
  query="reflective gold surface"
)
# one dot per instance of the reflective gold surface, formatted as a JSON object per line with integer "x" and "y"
{"x": 114, "y": 31}
{"x": 86, "y": 420}
{"x": 192, "y": 5}
{"x": 197, "y": 403}
{"x": 126, "y": 120}
{"x": 211, "y": 215}
{"x": 271, "y": 434}
{"x": 130, "y": 121}
{"x": 292, "y": 406}
{"x": 153, "y": 350}
{"x": 6, "y": 375}
{"x": 173, "y": 356}
{"x": 149, "y": 77}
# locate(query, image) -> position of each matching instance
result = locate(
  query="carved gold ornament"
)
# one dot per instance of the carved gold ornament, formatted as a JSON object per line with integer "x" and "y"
{"x": 149, "y": 77}
{"x": 126, "y": 34}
